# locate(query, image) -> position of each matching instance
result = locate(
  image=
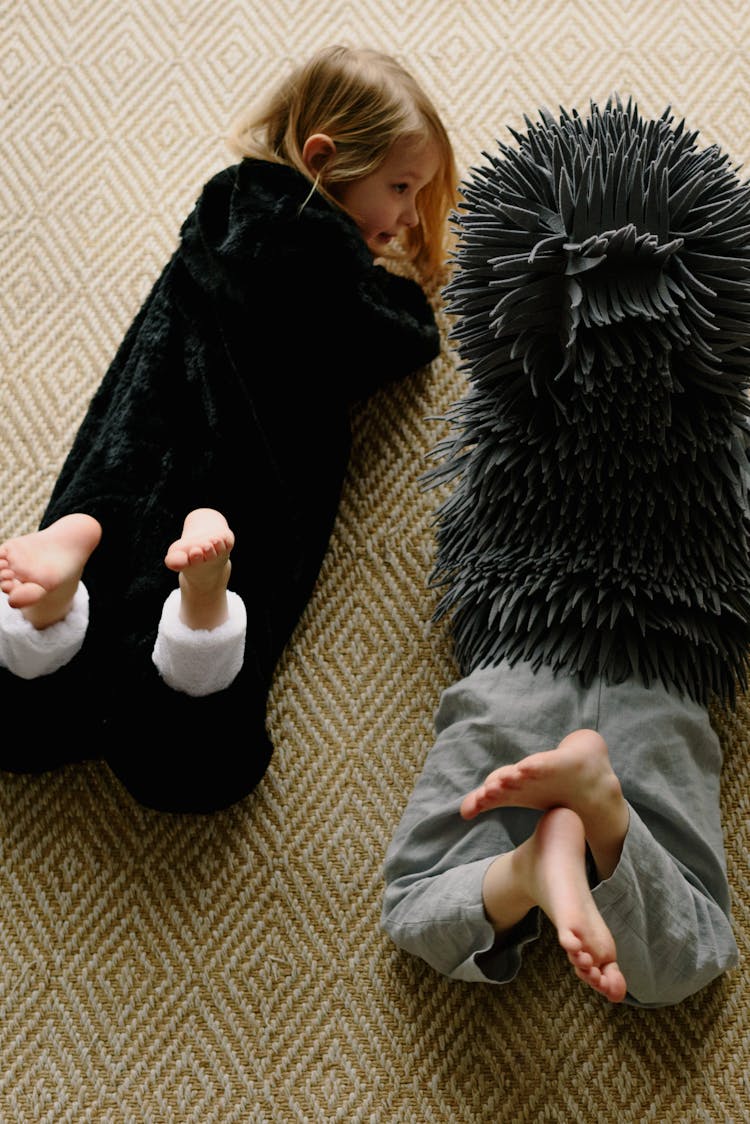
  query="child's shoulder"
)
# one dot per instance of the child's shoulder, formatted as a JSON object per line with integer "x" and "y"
{"x": 278, "y": 203}
{"x": 262, "y": 215}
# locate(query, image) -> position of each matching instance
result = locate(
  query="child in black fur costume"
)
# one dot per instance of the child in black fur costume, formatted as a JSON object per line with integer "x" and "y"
{"x": 226, "y": 412}
{"x": 594, "y": 558}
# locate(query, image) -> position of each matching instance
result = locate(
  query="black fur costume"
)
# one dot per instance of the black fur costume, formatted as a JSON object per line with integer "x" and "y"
{"x": 599, "y": 519}
{"x": 232, "y": 389}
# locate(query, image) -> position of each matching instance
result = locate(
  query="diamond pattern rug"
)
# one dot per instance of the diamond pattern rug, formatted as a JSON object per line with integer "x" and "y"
{"x": 211, "y": 970}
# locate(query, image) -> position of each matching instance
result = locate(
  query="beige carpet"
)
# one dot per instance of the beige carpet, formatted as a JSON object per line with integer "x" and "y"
{"x": 231, "y": 969}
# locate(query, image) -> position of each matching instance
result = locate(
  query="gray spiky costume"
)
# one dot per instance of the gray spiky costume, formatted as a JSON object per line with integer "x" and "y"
{"x": 599, "y": 518}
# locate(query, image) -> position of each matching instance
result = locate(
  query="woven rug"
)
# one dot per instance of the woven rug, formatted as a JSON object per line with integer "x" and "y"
{"x": 208, "y": 970}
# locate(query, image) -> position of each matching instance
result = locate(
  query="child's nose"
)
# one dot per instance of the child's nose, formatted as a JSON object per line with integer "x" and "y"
{"x": 409, "y": 215}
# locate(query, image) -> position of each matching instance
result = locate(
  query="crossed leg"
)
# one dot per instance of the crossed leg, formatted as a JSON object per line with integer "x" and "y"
{"x": 580, "y": 795}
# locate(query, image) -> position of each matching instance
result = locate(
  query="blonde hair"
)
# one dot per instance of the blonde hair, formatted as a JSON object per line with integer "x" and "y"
{"x": 364, "y": 101}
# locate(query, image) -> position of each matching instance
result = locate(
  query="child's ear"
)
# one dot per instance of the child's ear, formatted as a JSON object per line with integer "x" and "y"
{"x": 316, "y": 152}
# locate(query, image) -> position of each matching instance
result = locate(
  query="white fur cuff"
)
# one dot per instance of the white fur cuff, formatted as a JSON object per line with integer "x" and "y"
{"x": 200, "y": 661}
{"x": 29, "y": 652}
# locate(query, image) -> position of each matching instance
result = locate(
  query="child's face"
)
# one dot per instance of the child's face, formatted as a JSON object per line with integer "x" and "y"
{"x": 384, "y": 202}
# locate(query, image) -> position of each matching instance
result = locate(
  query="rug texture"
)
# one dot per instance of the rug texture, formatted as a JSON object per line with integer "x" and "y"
{"x": 208, "y": 970}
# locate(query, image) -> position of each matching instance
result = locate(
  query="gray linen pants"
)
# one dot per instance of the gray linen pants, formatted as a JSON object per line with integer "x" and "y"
{"x": 667, "y": 903}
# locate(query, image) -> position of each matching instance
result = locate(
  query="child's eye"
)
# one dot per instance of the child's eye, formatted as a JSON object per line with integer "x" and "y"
{"x": 400, "y": 188}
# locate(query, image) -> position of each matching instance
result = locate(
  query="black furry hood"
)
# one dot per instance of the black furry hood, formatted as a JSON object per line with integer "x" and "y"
{"x": 314, "y": 312}
{"x": 599, "y": 520}
{"x": 255, "y": 215}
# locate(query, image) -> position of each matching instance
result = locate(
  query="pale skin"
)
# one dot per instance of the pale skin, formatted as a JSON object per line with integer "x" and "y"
{"x": 576, "y": 788}
{"x": 384, "y": 203}
{"x": 40, "y": 571}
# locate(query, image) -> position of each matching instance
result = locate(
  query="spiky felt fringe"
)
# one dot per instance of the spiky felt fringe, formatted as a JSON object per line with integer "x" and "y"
{"x": 598, "y": 521}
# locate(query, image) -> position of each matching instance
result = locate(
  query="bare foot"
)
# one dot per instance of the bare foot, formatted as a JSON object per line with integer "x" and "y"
{"x": 577, "y": 774}
{"x": 562, "y": 891}
{"x": 201, "y": 558}
{"x": 40, "y": 571}
{"x": 549, "y": 870}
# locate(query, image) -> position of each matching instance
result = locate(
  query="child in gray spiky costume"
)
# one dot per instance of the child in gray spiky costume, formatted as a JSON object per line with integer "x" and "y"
{"x": 594, "y": 556}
